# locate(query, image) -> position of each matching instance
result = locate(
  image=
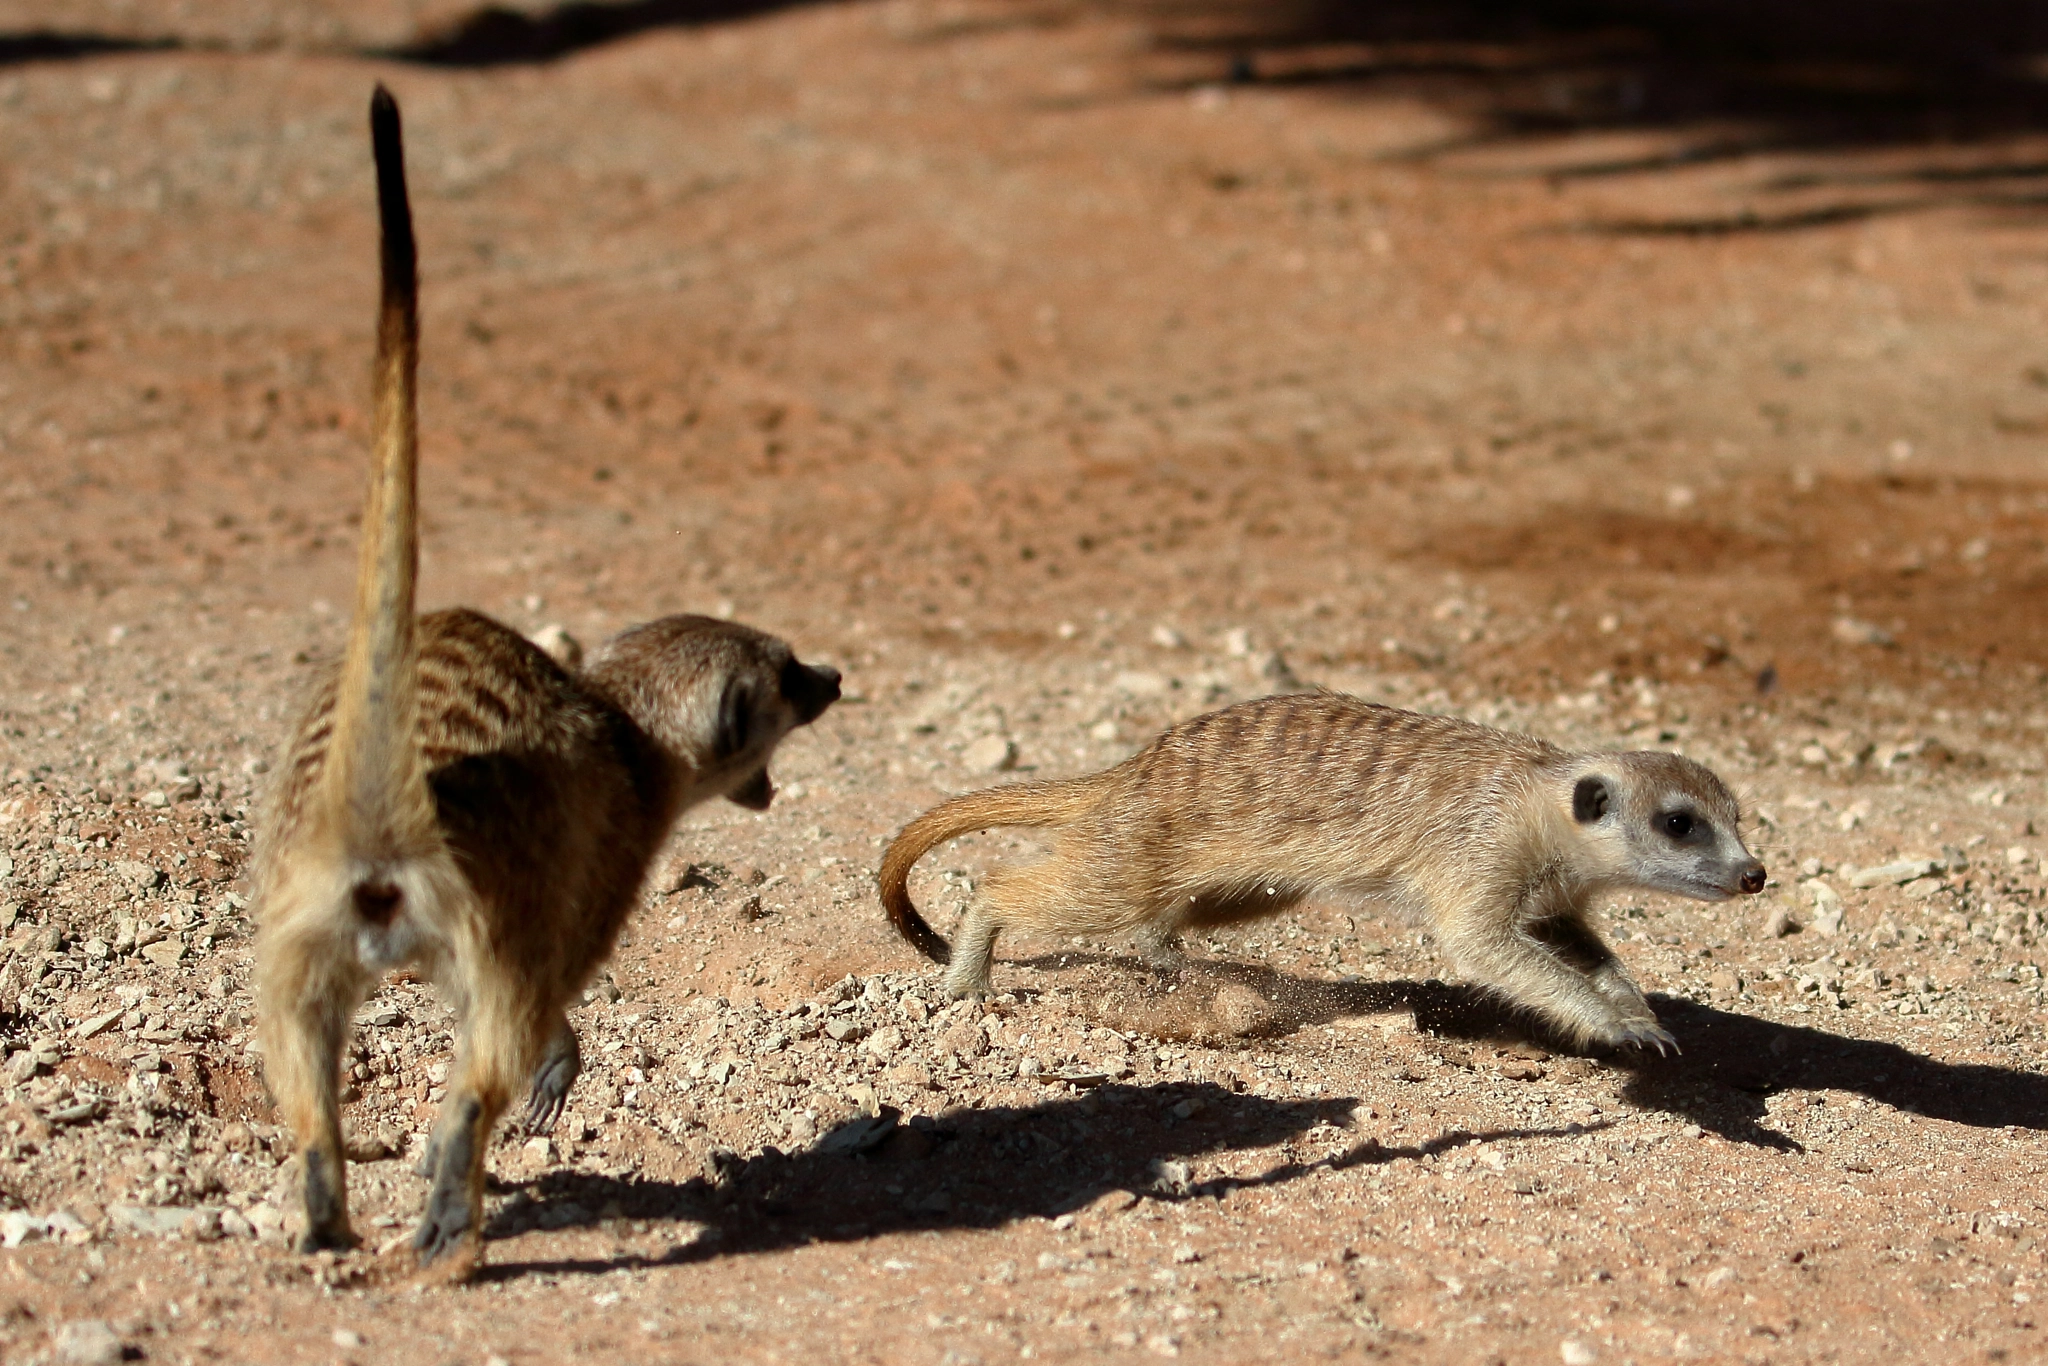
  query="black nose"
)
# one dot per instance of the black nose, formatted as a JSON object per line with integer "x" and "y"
{"x": 810, "y": 688}
{"x": 1753, "y": 879}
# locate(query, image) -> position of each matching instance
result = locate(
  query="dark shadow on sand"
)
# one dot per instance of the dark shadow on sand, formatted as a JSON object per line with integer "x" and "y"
{"x": 1721, "y": 79}
{"x": 497, "y": 36}
{"x": 43, "y": 45}
{"x": 1730, "y": 1063}
{"x": 968, "y": 1169}
{"x": 988, "y": 1167}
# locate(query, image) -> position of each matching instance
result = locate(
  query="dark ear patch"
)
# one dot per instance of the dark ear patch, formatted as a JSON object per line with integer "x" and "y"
{"x": 1589, "y": 800}
{"x": 735, "y": 720}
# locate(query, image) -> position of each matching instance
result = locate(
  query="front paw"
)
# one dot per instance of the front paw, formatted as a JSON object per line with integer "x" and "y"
{"x": 548, "y": 1098}
{"x": 1645, "y": 1034}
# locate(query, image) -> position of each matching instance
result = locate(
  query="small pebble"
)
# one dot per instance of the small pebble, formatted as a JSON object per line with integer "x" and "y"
{"x": 990, "y": 754}
{"x": 1850, "y": 631}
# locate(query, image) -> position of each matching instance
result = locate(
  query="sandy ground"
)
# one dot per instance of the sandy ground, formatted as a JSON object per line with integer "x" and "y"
{"x": 1054, "y": 385}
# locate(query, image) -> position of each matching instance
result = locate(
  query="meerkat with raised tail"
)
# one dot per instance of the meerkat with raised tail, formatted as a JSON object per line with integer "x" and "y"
{"x": 456, "y": 800}
{"x": 1501, "y": 843}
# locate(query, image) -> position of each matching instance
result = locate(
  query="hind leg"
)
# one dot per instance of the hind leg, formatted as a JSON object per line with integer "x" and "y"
{"x": 308, "y": 989}
{"x": 974, "y": 948}
{"x": 1006, "y": 899}
{"x": 502, "y": 1038}
{"x": 1044, "y": 896}
{"x": 558, "y": 1070}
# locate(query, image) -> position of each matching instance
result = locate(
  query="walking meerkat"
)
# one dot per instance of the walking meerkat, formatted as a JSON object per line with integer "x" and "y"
{"x": 1500, "y": 842}
{"x": 456, "y": 800}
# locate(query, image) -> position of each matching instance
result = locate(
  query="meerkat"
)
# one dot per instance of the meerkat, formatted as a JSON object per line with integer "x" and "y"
{"x": 456, "y": 800}
{"x": 1499, "y": 842}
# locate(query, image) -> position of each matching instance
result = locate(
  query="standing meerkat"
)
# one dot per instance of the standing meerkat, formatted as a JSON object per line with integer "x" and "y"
{"x": 1500, "y": 842}
{"x": 455, "y": 799}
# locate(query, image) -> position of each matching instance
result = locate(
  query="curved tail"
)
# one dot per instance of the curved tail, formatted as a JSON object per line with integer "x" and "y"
{"x": 373, "y": 780}
{"x": 1047, "y": 803}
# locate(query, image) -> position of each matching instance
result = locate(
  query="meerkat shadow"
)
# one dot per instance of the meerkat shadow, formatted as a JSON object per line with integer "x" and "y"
{"x": 969, "y": 1168}
{"x": 1217, "y": 1000}
{"x": 1091, "y": 1153}
{"x": 1732, "y": 1064}
{"x": 1728, "y": 1066}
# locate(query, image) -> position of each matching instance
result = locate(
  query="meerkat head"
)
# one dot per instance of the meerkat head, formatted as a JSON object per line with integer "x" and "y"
{"x": 717, "y": 697}
{"x": 1662, "y": 822}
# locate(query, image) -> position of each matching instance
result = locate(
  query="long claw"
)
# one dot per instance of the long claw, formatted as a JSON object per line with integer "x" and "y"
{"x": 542, "y": 1111}
{"x": 1647, "y": 1036}
{"x": 549, "y": 1094}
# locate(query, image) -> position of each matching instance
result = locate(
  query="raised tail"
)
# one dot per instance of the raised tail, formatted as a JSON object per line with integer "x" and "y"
{"x": 1048, "y": 803}
{"x": 373, "y": 777}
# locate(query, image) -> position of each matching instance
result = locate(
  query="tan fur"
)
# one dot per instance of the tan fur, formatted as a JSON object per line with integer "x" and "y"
{"x": 1500, "y": 842}
{"x": 457, "y": 800}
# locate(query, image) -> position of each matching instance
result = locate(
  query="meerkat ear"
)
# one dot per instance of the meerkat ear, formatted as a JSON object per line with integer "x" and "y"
{"x": 735, "y": 718}
{"x": 1589, "y": 800}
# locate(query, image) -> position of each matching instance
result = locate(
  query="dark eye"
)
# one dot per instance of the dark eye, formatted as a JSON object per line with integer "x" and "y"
{"x": 1676, "y": 824}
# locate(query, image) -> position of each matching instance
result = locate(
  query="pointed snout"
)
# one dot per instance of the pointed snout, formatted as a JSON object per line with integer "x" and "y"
{"x": 1752, "y": 878}
{"x": 810, "y": 689}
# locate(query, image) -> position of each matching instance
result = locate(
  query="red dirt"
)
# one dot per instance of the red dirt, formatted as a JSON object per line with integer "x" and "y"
{"x": 1009, "y": 358}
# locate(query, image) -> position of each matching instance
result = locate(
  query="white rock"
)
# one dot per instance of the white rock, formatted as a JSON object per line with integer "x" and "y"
{"x": 89, "y": 1342}
{"x": 63, "y": 1224}
{"x": 990, "y": 754}
{"x": 1166, "y": 638}
{"x": 159, "y": 1221}
{"x": 140, "y": 876}
{"x": 19, "y": 1226}
{"x": 1237, "y": 642}
{"x": 1906, "y": 870}
{"x": 1827, "y": 908}
{"x": 347, "y": 1339}
{"x": 884, "y": 1041}
{"x": 556, "y": 642}
{"x": 1572, "y": 1352}
{"x": 1850, "y": 631}
{"x": 1140, "y": 684}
